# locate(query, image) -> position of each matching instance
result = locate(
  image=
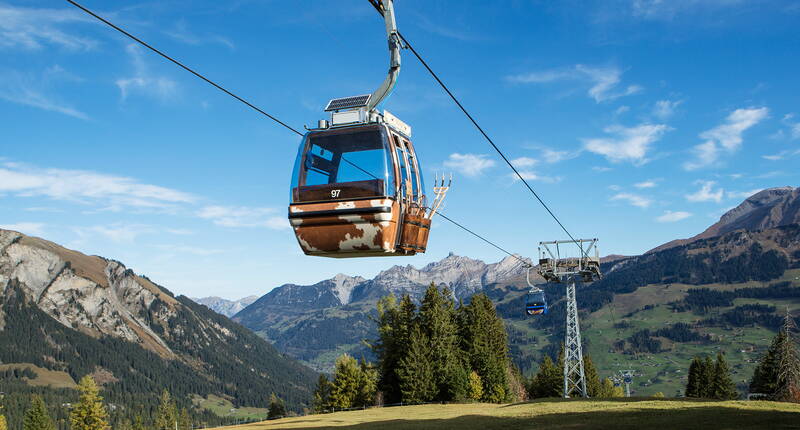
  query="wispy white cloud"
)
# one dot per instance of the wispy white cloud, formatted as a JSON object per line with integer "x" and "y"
{"x": 552, "y": 156}
{"x": 646, "y": 184}
{"x": 445, "y": 31}
{"x": 469, "y": 164}
{"x": 524, "y": 162}
{"x": 33, "y": 28}
{"x": 602, "y": 169}
{"x": 633, "y": 199}
{"x": 706, "y": 193}
{"x": 143, "y": 81}
{"x": 603, "y": 81}
{"x": 244, "y": 216}
{"x": 87, "y": 187}
{"x": 530, "y": 175}
{"x": 31, "y": 228}
{"x": 117, "y": 232}
{"x": 664, "y": 109}
{"x": 181, "y": 33}
{"x": 724, "y": 138}
{"x": 630, "y": 144}
{"x": 34, "y": 91}
{"x": 670, "y": 216}
{"x": 667, "y": 10}
{"x": 781, "y": 155}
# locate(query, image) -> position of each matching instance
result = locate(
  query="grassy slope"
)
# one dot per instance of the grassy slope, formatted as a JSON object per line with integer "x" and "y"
{"x": 558, "y": 414}
{"x": 666, "y": 371}
{"x": 44, "y": 377}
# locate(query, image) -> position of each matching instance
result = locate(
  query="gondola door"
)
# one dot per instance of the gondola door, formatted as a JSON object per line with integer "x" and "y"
{"x": 414, "y": 225}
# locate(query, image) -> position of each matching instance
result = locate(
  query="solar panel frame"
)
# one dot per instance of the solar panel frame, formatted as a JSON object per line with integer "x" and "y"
{"x": 348, "y": 102}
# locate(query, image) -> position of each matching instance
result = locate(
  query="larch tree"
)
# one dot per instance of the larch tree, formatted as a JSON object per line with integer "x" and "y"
{"x": 475, "y": 391}
{"x": 184, "y": 420}
{"x": 593, "y": 384}
{"x": 3, "y": 422}
{"x": 167, "y": 413}
{"x": 347, "y": 381}
{"x": 37, "y": 417}
{"x": 787, "y": 387}
{"x": 277, "y": 408}
{"x": 89, "y": 413}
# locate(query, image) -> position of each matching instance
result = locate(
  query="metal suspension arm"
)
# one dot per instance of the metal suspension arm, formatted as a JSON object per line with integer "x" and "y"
{"x": 386, "y": 7}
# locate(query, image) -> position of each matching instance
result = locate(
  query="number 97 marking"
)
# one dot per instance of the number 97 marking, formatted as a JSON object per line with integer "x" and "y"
{"x": 335, "y": 193}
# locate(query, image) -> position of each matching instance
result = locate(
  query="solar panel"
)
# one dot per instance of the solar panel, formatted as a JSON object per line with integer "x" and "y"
{"x": 348, "y": 102}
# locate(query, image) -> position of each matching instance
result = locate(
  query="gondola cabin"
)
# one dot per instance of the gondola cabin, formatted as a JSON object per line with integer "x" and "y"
{"x": 535, "y": 302}
{"x": 357, "y": 187}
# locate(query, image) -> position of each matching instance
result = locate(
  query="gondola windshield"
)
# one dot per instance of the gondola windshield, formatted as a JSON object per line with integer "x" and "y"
{"x": 342, "y": 165}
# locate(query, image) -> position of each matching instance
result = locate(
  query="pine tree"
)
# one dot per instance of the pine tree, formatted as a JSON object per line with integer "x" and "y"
{"x": 593, "y": 384}
{"x": 415, "y": 371}
{"x": 322, "y": 394}
{"x": 693, "y": 384}
{"x": 394, "y": 332}
{"x": 89, "y": 413}
{"x": 706, "y": 378}
{"x": 277, "y": 408}
{"x": 475, "y": 387}
{"x": 125, "y": 425}
{"x": 788, "y": 382}
{"x": 438, "y": 322}
{"x": 346, "y": 379}
{"x": 549, "y": 380}
{"x": 722, "y": 387}
{"x": 485, "y": 342}
{"x": 37, "y": 417}
{"x": 367, "y": 385}
{"x": 167, "y": 413}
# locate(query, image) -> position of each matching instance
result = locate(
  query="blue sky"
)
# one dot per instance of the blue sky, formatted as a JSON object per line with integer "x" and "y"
{"x": 639, "y": 121}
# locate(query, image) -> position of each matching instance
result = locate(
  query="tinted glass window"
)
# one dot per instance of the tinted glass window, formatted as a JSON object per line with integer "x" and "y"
{"x": 355, "y": 159}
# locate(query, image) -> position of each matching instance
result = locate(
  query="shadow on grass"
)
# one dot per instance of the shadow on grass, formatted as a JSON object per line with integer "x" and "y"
{"x": 711, "y": 417}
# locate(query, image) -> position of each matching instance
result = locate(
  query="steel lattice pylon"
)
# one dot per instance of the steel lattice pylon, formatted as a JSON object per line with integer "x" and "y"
{"x": 574, "y": 376}
{"x": 570, "y": 270}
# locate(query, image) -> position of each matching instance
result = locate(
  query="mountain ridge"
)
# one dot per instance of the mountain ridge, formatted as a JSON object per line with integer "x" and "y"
{"x": 66, "y": 311}
{"x": 768, "y": 208}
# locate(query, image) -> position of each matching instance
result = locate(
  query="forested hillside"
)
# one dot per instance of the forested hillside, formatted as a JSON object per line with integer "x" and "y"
{"x": 133, "y": 336}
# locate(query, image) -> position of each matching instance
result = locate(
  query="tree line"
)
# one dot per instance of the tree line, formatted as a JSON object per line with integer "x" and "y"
{"x": 437, "y": 351}
{"x": 710, "y": 380}
{"x": 549, "y": 379}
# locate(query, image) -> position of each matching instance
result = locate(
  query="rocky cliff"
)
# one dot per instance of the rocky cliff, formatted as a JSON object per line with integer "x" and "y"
{"x": 66, "y": 311}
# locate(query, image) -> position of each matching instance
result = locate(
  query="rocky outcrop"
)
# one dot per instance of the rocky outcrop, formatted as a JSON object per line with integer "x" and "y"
{"x": 770, "y": 208}
{"x": 89, "y": 294}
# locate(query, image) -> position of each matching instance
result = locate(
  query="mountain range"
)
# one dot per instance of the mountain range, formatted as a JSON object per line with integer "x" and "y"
{"x": 753, "y": 244}
{"x": 225, "y": 307}
{"x": 75, "y": 314}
